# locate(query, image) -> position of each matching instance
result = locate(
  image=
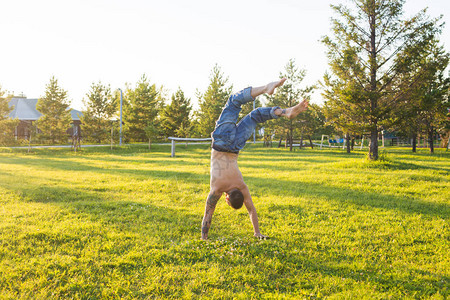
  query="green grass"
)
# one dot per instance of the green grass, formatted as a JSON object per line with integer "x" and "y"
{"x": 126, "y": 224}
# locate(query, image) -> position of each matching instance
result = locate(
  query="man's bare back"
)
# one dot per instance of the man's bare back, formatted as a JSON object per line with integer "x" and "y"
{"x": 225, "y": 174}
{"x": 226, "y": 177}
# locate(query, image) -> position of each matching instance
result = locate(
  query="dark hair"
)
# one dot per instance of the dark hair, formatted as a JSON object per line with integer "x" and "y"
{"x": 236, "y": 198}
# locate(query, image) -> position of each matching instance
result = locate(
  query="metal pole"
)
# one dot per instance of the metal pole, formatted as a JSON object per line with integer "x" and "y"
{"x": 173, "y": 149}
{"x": 120, "y": 134}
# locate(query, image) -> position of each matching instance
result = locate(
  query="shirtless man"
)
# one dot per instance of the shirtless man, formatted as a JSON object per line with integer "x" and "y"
{"x": 228, "y": 139}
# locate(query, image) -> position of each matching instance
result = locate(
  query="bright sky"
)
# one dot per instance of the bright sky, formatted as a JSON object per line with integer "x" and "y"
{"x": 175, "y": 43}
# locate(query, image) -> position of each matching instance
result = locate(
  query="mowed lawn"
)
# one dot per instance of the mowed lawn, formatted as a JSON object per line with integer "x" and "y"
{"x": 126, "y": 224}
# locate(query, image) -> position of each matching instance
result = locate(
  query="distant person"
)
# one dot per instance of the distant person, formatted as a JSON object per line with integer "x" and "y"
{"x": 228, "y": 139}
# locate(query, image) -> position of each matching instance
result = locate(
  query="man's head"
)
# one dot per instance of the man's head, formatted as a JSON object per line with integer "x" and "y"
{"x": 235, "y": 198}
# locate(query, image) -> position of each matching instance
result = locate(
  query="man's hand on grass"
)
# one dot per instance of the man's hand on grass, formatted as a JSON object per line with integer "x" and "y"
{"x": 261, "y": 236}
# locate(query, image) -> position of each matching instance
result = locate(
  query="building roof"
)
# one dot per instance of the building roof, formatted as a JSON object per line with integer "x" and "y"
{"x": 25, "y": 109}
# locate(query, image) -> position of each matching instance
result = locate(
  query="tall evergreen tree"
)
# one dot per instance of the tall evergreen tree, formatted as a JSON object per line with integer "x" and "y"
{"x": 368, "y": 38}
{"x": 288, "y": 95}
{"x": 349, "y": 121}
{"x": 56, "y": 117}
{"x": 143, "y": 104}
{"x": 7, "y": 125}
{"x": 100, "y": 108}
{"x": 424, "y": 106}
{"x": 433, "y": 90}
{"x": 176, "y": 114}
{"x": 212, "y": 101}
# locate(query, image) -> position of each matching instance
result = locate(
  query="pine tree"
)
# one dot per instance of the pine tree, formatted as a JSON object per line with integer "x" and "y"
{"x": 176, "y": 114}
{"x": 212, "y": 102}
{"x": 363, "y": 56}
{"x": 100, "y": 108}
{"x": 7, "y": 125}
{"x": 423, "y": 108}
{"x": 141, "y": 110}
{"x": 349, "y": 121}
{"x": 56, "y": 117}
{"x": 288, "y": 95}
{"x": 184, "y": 130}
{"x": 152, "y": 130}
{"x": 433, "y": 91}
{"x": 310, "y": 122}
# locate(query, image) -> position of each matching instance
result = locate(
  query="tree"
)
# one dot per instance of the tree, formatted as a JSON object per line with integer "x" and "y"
{"x": 7, "y": 124}
{"x": 143, "y": 104}
{"x": 56, "y": 117}
{"x": 444, "y": 129}
{"x": 184, "y": 130}
{"x": 100, "y": 108}
{"x": 212, "y": 101}
{"x": 363, "y": 57}
{"x": 433, "y": 90}
{"x": 424, "y": 107}
{"x": 309, "y": 123}
{"x": 176, "y": 114}
{"x": 288, "y": 95}
{"x": 339, "y": 94}
{"x": 152, "y": 130}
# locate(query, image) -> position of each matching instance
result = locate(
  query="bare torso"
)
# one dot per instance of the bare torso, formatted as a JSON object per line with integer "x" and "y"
{"x": 225, "y": 174}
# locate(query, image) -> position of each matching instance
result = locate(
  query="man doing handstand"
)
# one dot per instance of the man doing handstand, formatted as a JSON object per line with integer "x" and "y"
{"x": 228, "y": 139}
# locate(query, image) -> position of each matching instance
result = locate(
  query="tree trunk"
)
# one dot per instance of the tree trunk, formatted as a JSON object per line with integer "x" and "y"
{"x": 149, "y": 144}
{"x": 279, "y": 144}
{"x": 353, "y": 143}
{"x": 291, "y": 141}
{"x": 291, "y": 138}
{"x": 112, "y": 134}
{"x": 29, "y": 141}
{"x": 431, "y": 138}
{"x": 301, "y": 141}
{"x": 373, "y": 147}
{"x": 310, "y": 142}
{"x": 414, "y": 142}
{"x": 347, "y": 138}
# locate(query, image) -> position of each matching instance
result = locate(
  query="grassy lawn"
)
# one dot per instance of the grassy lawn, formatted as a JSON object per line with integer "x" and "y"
{"x": 126, "y": 224}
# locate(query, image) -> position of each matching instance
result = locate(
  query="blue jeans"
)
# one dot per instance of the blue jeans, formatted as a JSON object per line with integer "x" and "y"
{"x": 229, "y": 137}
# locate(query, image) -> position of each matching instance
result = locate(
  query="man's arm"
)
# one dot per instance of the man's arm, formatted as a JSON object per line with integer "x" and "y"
{"x": 211, "y": 202}
{"x": 252, "y": 212}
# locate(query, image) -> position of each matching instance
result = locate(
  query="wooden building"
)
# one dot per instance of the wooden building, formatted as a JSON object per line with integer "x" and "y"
{"x": 25, "y": 111}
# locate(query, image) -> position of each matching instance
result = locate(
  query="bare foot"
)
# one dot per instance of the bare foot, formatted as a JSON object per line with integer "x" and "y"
{"x": 292, "y": 112}
{"x": 270, "y": 87}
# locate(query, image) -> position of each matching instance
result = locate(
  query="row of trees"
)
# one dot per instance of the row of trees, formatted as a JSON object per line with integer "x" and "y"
{"x": 148, "y": 115}
{"x": 386, "y": 73}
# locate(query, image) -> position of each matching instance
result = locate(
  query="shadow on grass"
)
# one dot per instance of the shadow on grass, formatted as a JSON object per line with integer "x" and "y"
{"x": 274, "y": 187}
{"x": 162, "y": 223}
{"x": 167, "y": 225}
{"x": 402, "y": 165}
{"x": 346, "y": 196}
